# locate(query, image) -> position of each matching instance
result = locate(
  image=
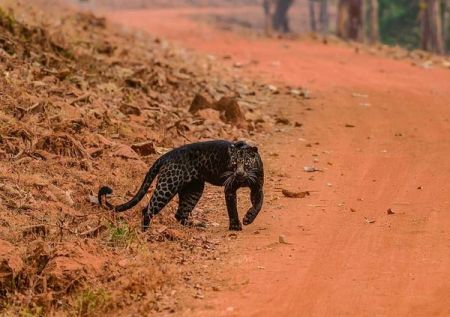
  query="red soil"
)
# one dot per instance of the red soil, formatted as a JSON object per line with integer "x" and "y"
{"x": 346, "y": 255}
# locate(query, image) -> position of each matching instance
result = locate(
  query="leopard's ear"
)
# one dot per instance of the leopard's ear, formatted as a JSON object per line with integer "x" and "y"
{"x": 231, "y": 149}
{"x": 254, "y": 149}
{"x": 239, "y": 144}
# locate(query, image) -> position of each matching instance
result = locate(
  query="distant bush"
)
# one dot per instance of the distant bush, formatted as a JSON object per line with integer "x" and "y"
{"x": 399, "y": 22}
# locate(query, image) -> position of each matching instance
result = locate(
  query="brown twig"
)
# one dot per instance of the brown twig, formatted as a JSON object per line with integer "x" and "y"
{"x": 93, "y": 232}
{"x": 81, "y": 98}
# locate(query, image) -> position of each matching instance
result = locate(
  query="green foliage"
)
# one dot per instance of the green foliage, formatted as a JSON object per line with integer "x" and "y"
{"x": 120, "y": 235}
{"x": 6, "y": 20}
{"x": 91, "y": 302}
{"x": 22, "y": 311}
{"x": 37, "y": 311}
{"x": 399, "y": 22}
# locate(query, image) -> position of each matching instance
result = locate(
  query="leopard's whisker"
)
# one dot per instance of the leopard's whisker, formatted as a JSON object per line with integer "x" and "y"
{"x": 230, "y": 181}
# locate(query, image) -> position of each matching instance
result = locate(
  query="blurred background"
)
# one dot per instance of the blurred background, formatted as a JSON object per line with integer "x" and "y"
{"x": 413, "y": 24}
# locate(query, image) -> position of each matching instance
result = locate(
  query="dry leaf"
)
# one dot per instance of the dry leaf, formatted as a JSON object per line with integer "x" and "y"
{"x": 292, "y": 194}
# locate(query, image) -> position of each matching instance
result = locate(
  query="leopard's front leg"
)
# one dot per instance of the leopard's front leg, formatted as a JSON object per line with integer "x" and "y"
{"x": 256, "y": 197}
{"x": 231, "y": 201}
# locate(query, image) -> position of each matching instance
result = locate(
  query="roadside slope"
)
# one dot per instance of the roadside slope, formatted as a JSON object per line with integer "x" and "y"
{"x": 83, "y": 105}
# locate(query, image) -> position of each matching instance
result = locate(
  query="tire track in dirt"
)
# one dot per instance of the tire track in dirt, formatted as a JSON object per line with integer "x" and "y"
{"x": 338, "y": 264}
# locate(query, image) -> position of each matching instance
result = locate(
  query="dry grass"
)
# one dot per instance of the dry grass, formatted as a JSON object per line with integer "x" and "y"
{"x": 73, "y": 99}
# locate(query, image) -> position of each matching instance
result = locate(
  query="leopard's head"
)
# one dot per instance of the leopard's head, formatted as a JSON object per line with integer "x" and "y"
{"x": 244, "y": 163}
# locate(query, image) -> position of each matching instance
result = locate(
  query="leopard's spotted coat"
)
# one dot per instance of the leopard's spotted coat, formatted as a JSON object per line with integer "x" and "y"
{"x": 185, "y": 170}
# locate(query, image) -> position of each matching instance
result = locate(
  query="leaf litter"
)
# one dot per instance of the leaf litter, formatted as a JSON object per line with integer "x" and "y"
{"x": 85, "y": 104}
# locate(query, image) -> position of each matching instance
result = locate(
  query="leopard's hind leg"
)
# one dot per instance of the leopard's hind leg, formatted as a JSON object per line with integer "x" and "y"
{"x": 189, "y": 196}
{"x": 166, "y": 188}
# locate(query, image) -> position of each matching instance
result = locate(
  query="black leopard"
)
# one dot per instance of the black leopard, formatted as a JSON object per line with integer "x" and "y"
{"x": 185, "y": 170}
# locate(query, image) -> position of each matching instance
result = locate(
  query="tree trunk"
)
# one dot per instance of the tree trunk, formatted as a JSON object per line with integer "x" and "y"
{"x": 280, "y": 18}
{"x": 446, "y": 23}
{"x": 324, "y": 17}
{"x": 350, "y": 21}
{"x": 312, "y": 16}
{"x": 374, "y": 24}
{"x": 424, "y": 25}
{"x": 268, "y": 15}
{"x": 431, "y": 26}
{"x": 342, "y": 19}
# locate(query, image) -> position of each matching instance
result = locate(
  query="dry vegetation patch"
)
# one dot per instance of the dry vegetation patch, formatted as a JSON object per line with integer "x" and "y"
{"x": 83, "y": 104}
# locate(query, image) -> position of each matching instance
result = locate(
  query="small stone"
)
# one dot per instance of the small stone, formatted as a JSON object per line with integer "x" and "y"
{"x": 301, "y": 92}
{"x": 172, "y": 234}
{"x": 93, "y": 199}
{"x": 310, "y": 169}
{"x": 144, "y": 148}
{"x": 130, "y": 110}
{"x": 370, "y": 221}
{"x": 273, "y": 88}
{"x": 124, "y": 151}
{"x": 359, "y": 95}
{"x": 295, "y": 92}
{"x": 282, "y": 239}
{"x": 68, "y": 197}
{"x": 63, "y": 196}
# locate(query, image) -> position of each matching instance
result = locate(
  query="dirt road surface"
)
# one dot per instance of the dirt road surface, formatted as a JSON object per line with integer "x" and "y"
{"x": 379, "y": 131}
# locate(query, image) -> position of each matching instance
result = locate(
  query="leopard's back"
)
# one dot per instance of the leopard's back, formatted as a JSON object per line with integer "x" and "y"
{"x": 205, "y": 161}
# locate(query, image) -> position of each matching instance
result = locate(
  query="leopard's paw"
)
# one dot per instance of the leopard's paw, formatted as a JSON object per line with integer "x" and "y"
{"x": 235, "y": 226}
{"x": 249, "y": 216}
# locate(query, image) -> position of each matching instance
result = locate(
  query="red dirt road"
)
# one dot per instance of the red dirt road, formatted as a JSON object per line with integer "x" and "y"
{"x": 346, "y": 256}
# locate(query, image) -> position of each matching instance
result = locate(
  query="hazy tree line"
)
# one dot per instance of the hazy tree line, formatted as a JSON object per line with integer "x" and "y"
{"x": 411, "y": 23}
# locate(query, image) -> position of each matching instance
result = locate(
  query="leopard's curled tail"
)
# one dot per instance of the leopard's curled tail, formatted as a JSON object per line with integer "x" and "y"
{"x": 105, "y": 190}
